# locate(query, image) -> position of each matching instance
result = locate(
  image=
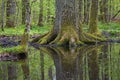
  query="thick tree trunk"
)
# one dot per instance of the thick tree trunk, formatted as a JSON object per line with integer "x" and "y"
{"x": 67, "y": 25}
{"x": 10, "y": 13}
{"x": 40, "y": 22}
{"x": 93, "y": 27}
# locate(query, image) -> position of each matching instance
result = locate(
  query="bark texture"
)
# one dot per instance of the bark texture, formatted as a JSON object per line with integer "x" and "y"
{"x": 67, "y": 29}
{"x": 93, "y": 27}
{"x": 40, "y": 22}
{"x": 10, "y": 13}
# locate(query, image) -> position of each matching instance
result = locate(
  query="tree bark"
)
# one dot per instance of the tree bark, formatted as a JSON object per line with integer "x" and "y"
{"x": 25, "y": 37}
{"x": 80, "y": 9}
{"x": 104, "y": 11}
{"x": 86, "y": 11}
{"x": 48, "y": 11}
{"x": 2, "y": 10}
{"x": 10, "y": 13}
{"x": 93, "y": 27}
{"x": 40, "y": 22}
{"x": 24, "y": 11}
{"x": 67, "y": 28}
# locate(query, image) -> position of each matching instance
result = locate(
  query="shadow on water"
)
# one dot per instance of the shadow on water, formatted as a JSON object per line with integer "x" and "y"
{"x": 95, "y": 62}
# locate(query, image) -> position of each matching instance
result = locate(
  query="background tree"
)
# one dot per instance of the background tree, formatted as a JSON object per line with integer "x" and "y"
{"x": 2, "y": 14}
{"x": 10, "y": 13}
{"x": 104, "y": 11}
{"x": 80, "y": 9}
{"x": 40, "y": 21}
{"x": 23, "y": 11}
{"x": 86, "y": 11}
{"x": 93, "y": 26}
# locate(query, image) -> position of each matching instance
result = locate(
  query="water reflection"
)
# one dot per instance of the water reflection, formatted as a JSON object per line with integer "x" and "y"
{"x": 93, "y": 62}
{"x": 69, "y": 62}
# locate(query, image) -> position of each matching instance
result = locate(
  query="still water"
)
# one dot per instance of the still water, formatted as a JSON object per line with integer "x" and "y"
{"x": 93, "y": 62}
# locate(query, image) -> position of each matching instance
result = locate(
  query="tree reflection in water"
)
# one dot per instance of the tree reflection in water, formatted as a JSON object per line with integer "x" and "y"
{"x": 69, "y": 62}
{"x": 99, "y": 62}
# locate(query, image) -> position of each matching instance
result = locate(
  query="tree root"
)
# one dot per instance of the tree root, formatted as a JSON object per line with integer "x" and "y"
{"x": 68, "y": 36}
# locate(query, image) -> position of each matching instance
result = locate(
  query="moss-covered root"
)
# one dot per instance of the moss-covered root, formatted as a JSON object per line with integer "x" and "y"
{"x": 67, "y": 36}
{"x": 39, "y": 37}
{"x": 87, "y": 37}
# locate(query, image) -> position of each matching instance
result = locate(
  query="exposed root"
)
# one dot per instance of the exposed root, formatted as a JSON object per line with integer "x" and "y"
{"x": 39, "y": 37}
{"x": 68, "y": 36}
{"x": 87, "y": 37}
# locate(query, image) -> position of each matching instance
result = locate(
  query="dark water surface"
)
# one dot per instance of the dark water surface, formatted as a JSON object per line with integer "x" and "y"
{"x": 95, "y": 62}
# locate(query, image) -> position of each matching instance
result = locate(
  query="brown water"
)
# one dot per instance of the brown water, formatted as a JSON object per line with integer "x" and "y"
{"x": 95, "y": 62}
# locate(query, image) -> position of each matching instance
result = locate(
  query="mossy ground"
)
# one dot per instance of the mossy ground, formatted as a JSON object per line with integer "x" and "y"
{"x": 16, "y": 49}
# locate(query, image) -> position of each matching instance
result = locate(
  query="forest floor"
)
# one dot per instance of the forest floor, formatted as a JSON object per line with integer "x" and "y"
{"x": 12, "y": 37}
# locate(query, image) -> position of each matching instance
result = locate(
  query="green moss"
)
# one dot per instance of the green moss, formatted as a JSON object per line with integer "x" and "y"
{"x": 16, "y": 49}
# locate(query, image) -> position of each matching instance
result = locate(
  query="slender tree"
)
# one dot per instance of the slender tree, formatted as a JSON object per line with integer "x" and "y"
{"x": 10, "y": 13}
{"x": 93, "y": 27}
{"x": 48, "y": 11}
{"x": 80, "y": 9}
{"x": 25, "y": 37}
{"x": 2, "y": 14}
{"x": 23, "y": 11}
{"x": 104, "y": 11}
{"x": 40, "y": 22}
{"x": 86, "y": 11}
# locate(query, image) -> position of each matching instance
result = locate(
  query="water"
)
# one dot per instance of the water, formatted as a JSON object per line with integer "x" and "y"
{"x": 95, "y": 62}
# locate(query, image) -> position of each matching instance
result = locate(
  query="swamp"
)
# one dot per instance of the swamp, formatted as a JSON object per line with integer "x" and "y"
{"x": 59, "y": 39}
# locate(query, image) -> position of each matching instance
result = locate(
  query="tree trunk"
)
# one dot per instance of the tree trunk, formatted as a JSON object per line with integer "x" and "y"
{"x": 25, "y": 37}
{"x": 86, "y": 11}
{"x": 2, "y": 10}
{"x": 10, "y": 13}
{"x": 48, "y": 11}
{"x": 93, "y": 27}
{"x": 67, "y": 25}
{"x": 80, "y": 9}
{"x": 23, "y": 11}
{"x": 104, "y": 11}
{"x": 40, "y": 22}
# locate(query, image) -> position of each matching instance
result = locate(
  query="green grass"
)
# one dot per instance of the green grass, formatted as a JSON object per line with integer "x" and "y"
{"x": 18, "y": 31}
{"x": 111, "y": 27}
